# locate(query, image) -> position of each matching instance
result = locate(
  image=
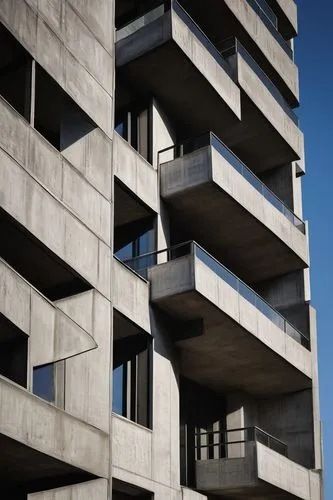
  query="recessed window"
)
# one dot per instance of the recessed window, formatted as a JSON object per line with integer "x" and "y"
{"x": 131, "y": 378}
{"x": 13, "y": 352}
{"x": 15, "y": 73}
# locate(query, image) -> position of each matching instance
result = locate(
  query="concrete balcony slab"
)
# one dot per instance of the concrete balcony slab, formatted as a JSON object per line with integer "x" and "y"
{"x": 246, "y": 20}
{"x": 269, "y": 133}
{"x": 261, "y": 473}
{"x": 222, "y": 204}
{"x": 286, "y": 11}
{"x": 166, "y": 54}
{"x": 244, "y": 343}
{"x": 43, "y": 445}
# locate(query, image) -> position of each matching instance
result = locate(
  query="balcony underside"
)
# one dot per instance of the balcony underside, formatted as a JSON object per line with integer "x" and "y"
{"x": 219, "y": 23}
{"x": 256, "y": 141}
{"x": 232, "y": 234}
{"x": 164, "y": 70}
{"x": 25, "y": 469}
{"x": 226, "y": 355}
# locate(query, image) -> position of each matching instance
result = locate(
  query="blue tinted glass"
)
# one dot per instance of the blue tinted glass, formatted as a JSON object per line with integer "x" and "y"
{"x": 126, "y": 252}
{"x": 120, "y": 128}
{"x": 117, "y": 388}
{"x": 43, "y": 382}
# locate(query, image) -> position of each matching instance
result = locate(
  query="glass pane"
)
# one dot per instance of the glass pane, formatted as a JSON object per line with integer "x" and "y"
{"x": 118, "y": 390}
{"x": 43, "y": 382}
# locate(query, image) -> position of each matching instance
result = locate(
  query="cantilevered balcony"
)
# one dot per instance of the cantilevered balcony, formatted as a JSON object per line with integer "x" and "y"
{"x": 249, "y": 463}
{"x": 286, "y": 14}
{"x": 257, "y": 26}
{"x": 229, "y": 337}
{"x": 44, "y": 447}
{"x": 166, "y": 54}
{"x": 269, "y": 134}
{"x": 220, "y": 202}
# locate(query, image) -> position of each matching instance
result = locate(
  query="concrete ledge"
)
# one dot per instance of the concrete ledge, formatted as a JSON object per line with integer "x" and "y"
{"x": 131, "y": 295}
{"x": 135, "y": 172}
{"x": 262, "y": 473}
{"x": 34, "y": 423}
{"x": 90, "y": 490}
{"x": 34, "y": 207}
{"x": 81, "y": 190}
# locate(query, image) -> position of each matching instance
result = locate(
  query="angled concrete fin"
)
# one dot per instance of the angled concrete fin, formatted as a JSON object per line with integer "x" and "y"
{"x": 79, "y": 308}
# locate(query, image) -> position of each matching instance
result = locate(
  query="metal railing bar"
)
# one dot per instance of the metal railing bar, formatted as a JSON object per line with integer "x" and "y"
{"x": 193, "y": 246}
{"x": 285, "y": 210}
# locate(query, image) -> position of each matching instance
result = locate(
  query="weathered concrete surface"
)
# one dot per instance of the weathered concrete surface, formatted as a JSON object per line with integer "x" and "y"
{"x": 82, "y": 185}
{"x": 236, "y": 336}
{"x": 131, "y": 295}
{"x": 32, "y": 422}
{"x": 263, "y": 473}
{"x": 135, "y": 172}
{"x": 292, "y": 137}
{"x": 286, "y": 11}
{"x": 34, "y": 207}
{"x": 90, "y": 490}
{"x": 240, "y": 20}
{"x": 256, "y": 243}
{"x": 192, "y": 72}
{"x": 51, "y": 35}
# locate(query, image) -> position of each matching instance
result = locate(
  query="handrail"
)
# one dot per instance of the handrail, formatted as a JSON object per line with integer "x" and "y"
{"x": 210, "y": 139}
{"x": 193, "y": 248}
{"x": 254, "y": 4}
{"x": 231, "y": 46}
{"x": 251, "y": 434}
{"x": 267, "y": 10}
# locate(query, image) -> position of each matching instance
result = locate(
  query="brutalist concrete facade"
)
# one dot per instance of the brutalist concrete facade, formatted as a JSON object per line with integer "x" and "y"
{"x": 157, "y": 335}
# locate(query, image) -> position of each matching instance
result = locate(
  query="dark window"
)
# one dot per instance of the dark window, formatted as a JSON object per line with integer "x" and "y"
{"x": 13, "y": 352}
{"x": 15, "y": 73}
{"x": 57, "y": 117}
{"x": 43, "y": 382}
{"x": 132, "y": 371}
{"x": 135, "y": 125}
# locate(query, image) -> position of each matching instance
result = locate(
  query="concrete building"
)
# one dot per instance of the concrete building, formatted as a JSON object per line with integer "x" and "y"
{"x": 157, "y": 336}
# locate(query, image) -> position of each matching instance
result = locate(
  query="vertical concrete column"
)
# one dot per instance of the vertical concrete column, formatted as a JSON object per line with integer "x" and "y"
{"x": 162, "y": 137}
{"x": 235, "y": 419}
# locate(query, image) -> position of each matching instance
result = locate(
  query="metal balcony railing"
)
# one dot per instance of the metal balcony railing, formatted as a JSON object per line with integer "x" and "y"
{"x": 174, "y": 6}
{"x": 223, "y": 443}
{"x": 210, "y": 139}
{"x": 143, "y": 262}
{"x": 265, "y": 13}
{"x": 232, "y": 46}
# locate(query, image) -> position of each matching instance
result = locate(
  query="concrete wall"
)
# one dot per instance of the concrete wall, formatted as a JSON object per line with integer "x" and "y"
{"x": 50, "y": 31}
{"x": 285, "y": 474}
{"x": 267, "y": 43}
{"x": 32, "y": 422}
{"x": 131, "y": 295}
{"x": 135, "y": 172}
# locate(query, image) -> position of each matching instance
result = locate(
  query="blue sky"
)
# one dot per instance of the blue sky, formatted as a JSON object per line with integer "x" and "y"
{"x": 314, "y": 56}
